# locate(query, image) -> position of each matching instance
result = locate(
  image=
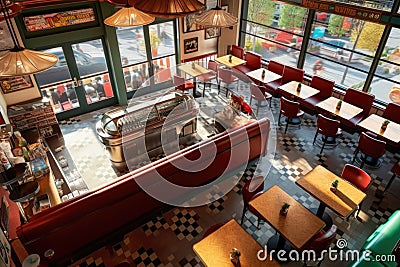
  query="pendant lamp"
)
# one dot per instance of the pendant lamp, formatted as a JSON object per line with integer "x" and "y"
{"x": 169, "y": 8}
{"x": 19, "y": 61}
{"x": 128, "y": 16}
{"x": 216, "y": 17}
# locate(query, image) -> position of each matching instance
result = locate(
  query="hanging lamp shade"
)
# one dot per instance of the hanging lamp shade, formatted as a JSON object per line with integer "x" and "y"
{"x": 169, "y": 8}
{"x": 21, "y": 61}
{"x": 128, "y": 17}
{"x": 216, "y": 17}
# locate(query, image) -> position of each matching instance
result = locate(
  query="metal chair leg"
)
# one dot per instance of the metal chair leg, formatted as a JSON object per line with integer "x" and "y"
{"x": 287, "y": 124}
{"x": 390, "y": 182}
{"x": 322, "y": 148}
{"x": 315, "y": 136}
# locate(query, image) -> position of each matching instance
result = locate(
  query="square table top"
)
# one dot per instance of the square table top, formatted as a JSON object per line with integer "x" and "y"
{"x": 194, "y": 72}
{"x": 318, "y": 182}
{"x": 347, "y": 111}
{"x": 298, "y": 226}
{"x": 225, "y": 61}
{"x": 269, "y": 75}
{"x": 305, "y": 91}
{"x": 214, "y": 249}
{"x": 374, "y": 122}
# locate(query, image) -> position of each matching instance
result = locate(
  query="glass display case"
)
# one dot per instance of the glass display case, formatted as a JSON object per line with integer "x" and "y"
{"x": 143, "y": 121}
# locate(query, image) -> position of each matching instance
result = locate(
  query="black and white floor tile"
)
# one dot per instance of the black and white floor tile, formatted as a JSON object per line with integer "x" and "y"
{"x": 167, "y": 239}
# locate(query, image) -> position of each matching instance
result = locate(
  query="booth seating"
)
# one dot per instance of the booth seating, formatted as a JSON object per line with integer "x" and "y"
{"x": 325, "y": 88}
{"x": 381, "y": 242}
{"x": 392, "y": 112}
{"x": 289, "y": 74}
{"x": 253, "y": 62}
{"x": 86, "y": 221}
{"x": 360, "y": 99}
{"x": 237, "y": 51}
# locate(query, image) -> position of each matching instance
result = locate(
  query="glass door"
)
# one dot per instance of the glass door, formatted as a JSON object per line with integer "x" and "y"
{"x": 80, "y": 81}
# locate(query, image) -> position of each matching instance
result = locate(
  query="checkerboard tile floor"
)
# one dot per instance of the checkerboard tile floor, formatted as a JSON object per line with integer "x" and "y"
{"x": 167, "y": 239}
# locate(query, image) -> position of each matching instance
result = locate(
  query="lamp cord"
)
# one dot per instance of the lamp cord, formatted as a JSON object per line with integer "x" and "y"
{"x": 9, "y": 25}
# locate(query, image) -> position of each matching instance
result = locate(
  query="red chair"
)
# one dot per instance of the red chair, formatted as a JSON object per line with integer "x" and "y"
{"x": 392, "y": 112}
{"x": 360, "y": 99}
{"x": 253, "y": 62}
{"x": 320, "y": 243}
{"x": 396, "y": 172}
{"x": 276, "y": 67}
{"x": 289, "y": 74}
{"x": 291, "y": 110}
{"x": 357, "y": 177}
{"x": 258, "y": 93}
{"x": 212, "y": 229}
{"x": 181, "y": 84}
{"x": 329, "y": 128}
{"x": 107, "y": 86}
{"x": 251, "y": 189}
{"x": 371, "y": 148}
{"x": 325, "y": 88}
{"x": 208, "y": 77}
{"x": 226, "y": 76}
{"x": 237, "y": 51}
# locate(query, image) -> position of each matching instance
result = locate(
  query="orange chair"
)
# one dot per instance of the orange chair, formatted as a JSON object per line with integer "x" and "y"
{"x": 291, "y": 110}
{"x": 357, "y": 177}
{"x": 181, "y": 84}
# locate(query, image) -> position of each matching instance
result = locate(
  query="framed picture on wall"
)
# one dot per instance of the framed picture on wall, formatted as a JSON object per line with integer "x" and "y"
{"x": 191, "y": 45}
{"x": 211, "y": 33}
{"x": 188, "y": 24}
{"x": 12, "y": 84}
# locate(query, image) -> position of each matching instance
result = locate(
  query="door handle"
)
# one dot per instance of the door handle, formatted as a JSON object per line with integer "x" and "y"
{"x": 76, "y": 82}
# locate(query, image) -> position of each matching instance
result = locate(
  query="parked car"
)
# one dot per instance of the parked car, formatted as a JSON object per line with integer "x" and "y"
{"x": 283, "y": 39}
{"x": 86, "y": 65}
{"x": 334, "y": 48}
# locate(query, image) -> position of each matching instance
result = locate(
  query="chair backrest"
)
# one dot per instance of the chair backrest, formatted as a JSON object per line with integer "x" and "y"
{"x": 324, "y": 86}
{"x": 327, "y": 126}
{"x": 276, "y": 67}
{"x": 371, "y": 146}
{"x": 212, "y": 65}
{"x": 256, "y": 92}
{"x": 237, "y": 51}
{"x": 212, "y": 229}
{"x": 360, "y": 99}
{"x": 225, "y": 74}
{"x": 292, "y": 74}
{"x": 356, "y": 176}
{"x": 253, "y": 60}
{"x": 323, "y": 240}
{"x": 179, "y": 82}
{"x": 289, "y": 108}
{"x": 392, "y": 112}
{"x": 252, "y": 187}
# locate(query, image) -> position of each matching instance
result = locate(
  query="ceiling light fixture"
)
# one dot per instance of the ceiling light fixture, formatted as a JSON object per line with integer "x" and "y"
{"x": 128, "y": 16}
{"x": 216, "y": 17}
{"x": 169, "y": 8}
{"x": 20, "y": 61}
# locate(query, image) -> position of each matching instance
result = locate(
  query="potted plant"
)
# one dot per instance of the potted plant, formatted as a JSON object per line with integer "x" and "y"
{"x": 334, "y": 186}
{"x": 384, "y": 124}
{"x": 339, "y": 105}
{"x": 155, "y": 42}
{"x": 285, "y": 208}
{"x": 234, "y": 255}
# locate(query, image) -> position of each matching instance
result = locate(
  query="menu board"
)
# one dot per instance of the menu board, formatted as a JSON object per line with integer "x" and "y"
{"x": 59, "y": 19}
{"x": 11, "y": 84}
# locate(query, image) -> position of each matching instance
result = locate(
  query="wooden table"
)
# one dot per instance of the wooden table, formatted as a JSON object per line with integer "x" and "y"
{"x": 214, "y": 249}
{"x": 194, "y": 72}
{"x": 234, "y": 62}
{"x": 269, "y": 75}
{"x": 344, "y": 201}
{"x": 347, "y": 111}
{"x": 297, "y": 227}
{"x": 305, "y": 91}
{"x": 373, "y": 123}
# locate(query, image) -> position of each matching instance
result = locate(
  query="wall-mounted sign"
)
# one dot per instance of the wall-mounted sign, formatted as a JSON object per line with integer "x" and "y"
{"x": 343, "y": 10}
{"x": 59, "y": 19}
{"x": 11, "y": 84}
{"x": 191, "y": 45}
